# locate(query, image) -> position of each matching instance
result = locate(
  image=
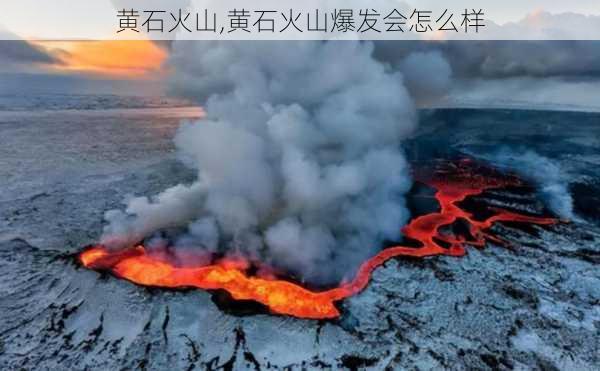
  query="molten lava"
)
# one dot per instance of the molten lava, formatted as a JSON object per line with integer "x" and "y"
{"x": 453, "y": 184}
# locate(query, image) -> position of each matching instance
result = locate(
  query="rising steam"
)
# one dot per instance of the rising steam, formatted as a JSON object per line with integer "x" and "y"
{"x": 299, "y": 157}
{"x": 551, "y": 181}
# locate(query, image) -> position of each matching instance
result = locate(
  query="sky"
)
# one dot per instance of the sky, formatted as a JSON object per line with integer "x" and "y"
{"x": 514, "y": 10}
{"x": 546, "y": 74}
{"x": 128, "y": 60}
{"x": 94, "y": 19}
{"x": 551, "y": 73}
{"x": 83, "y": 67}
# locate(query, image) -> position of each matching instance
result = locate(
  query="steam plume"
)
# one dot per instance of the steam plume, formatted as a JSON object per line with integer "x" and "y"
{"x": 551, "y": 180}
{"x": 299, "y": 158}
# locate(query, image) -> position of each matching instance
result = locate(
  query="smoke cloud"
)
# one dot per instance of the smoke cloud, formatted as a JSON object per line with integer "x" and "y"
{"x": 551, "y": 181}
{"x": 299, "y": 157}
{"x": 427, "y": 75}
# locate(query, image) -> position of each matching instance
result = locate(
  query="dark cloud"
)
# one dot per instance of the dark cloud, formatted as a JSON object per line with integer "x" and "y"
{"x": 18, "y": 53}
{"x": 501, "y": 59}
{"x": 542, "y": 74}
{"x": 541, "y": 45}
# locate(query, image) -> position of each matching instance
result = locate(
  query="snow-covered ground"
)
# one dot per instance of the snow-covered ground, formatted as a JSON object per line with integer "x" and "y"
{"x": 533, "y": 306}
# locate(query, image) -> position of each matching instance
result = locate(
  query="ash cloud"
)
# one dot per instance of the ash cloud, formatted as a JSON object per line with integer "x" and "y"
{"x": 299, "y": 157}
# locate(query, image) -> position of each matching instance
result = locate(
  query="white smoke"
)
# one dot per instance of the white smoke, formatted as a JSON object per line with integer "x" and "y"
{"x": 427, "y": 75}
{"x": 552, "y": 182}
{"x": 299, "y": 158}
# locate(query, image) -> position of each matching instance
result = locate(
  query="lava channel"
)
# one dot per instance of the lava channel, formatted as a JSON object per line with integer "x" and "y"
{"x": 453, "y": 184}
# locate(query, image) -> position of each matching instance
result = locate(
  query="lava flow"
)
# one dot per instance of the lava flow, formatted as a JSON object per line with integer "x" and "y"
{"x": 453, "y": 184}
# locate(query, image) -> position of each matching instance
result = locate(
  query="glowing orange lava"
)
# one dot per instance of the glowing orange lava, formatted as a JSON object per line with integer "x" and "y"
{"x": 453, "y": 184}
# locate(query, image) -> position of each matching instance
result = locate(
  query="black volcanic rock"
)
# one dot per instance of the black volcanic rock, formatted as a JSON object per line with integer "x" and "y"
{"x": 533, "y": 306}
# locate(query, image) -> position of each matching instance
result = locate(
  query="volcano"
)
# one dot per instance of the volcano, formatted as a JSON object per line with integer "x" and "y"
{"x": 454, "y": 182}
{"x": 531, "y": 302}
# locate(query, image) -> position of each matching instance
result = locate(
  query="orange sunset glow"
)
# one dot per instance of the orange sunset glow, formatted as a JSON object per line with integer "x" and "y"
{"x": 117, "y": 59}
